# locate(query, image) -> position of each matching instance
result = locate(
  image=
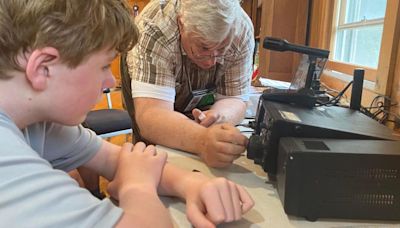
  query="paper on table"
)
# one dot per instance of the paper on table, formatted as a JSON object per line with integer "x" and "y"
{"x": 255, "y": 93}
{"x": 274, "y": 83}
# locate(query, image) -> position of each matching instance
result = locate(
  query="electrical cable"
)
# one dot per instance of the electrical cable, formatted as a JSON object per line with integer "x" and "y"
{"x": 337, "y": 98}
{"x": 378, "y": 110}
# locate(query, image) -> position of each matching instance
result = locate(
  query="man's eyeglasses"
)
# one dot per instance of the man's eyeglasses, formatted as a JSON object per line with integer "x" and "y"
{"x": 205, "y": 57}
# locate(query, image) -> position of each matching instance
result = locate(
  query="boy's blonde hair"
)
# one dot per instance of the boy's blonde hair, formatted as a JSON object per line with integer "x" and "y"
{"x": 76, "y": 28}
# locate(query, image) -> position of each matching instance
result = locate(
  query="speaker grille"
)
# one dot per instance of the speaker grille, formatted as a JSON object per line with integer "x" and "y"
{"x": 369, "y": 187}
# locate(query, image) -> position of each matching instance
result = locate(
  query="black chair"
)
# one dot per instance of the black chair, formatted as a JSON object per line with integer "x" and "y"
{"x": 109, "y": 122}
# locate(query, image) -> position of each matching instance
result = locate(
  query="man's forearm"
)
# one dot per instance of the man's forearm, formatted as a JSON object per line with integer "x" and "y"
{"x": 231, "y": 110}
{"x": 172, "y": 129}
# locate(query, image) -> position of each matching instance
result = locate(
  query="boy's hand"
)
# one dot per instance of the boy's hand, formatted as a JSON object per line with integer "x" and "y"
{"x": 139, "y": 167}
{"x": 221, "y": 145}
{"x": 210, "y": 202}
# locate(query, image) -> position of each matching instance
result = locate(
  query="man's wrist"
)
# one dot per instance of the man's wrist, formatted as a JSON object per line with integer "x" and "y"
{"x": 201, "y": 141}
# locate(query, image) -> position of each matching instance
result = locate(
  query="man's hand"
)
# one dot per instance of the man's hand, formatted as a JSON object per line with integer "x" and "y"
{"x": 139, "y": 167}
{"x": 210, "y": 202}
{"x": 221, "y": 144}
{"x": 206, "y": 118}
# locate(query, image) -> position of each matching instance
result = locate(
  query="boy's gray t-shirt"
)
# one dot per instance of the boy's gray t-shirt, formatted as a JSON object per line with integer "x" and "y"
{"x": 35, "y": 190}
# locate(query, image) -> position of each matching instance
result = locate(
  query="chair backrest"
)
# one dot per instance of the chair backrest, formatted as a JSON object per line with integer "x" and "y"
{"x": 108, "y": 122}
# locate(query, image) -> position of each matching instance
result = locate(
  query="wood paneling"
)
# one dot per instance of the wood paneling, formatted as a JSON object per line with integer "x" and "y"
{"x": 285, "y": 19}
{"x": 395, "y": 95}
{"x": 321, "y": 23}
{"x": 115, "y": 71}
{"x": 370, "y": 74}
{"x": 389, "y": 51}
{"x": 250, "y": 7}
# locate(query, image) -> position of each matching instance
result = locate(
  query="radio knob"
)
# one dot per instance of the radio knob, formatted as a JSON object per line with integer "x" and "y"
{"x": 255, "y": 147}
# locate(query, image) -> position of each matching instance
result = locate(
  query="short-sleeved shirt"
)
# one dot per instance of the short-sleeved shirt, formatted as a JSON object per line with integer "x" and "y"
{"x": 35, "y": 190}
{"x": 158, "y": 67}
{"x": 158, "y": 63}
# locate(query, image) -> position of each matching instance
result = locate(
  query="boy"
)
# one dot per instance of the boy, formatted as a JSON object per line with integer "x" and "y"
{"x": 54, "y": 63}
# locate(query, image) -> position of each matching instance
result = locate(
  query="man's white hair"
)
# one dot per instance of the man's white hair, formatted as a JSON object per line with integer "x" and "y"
{"x": 210, "y": 20}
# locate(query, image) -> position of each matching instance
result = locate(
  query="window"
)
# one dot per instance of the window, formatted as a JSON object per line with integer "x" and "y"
{"x": 358, "y": 32}
{"x": 381, "y": 77}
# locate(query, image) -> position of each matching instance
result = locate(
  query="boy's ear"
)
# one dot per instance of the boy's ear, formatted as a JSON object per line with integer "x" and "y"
{"x": 37, "y": 66}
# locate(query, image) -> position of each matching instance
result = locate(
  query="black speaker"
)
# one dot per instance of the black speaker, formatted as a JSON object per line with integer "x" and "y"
{"x": 339, "y": 178}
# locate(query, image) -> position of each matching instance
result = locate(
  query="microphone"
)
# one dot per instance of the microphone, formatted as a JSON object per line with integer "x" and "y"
{"x": 276, "y": 44}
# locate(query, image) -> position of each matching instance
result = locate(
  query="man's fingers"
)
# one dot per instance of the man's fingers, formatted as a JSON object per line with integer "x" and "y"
{"x": 227, "y": 157}
{"x": 207, "y": 121}
{"x": 198, "y": 115}
{"x": 237, "y": 139}
{"x": 204, "y": 119}
{"x": 231, "y": 134}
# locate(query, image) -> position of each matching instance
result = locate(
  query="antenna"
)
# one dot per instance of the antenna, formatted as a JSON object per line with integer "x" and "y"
{"x": 357, "y": 89}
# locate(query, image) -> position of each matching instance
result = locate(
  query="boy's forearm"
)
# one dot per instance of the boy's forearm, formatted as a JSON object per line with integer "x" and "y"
{"x": 175, "y": 181}
{"x": 104, "y": 163}
{"x": 137, "y": 203}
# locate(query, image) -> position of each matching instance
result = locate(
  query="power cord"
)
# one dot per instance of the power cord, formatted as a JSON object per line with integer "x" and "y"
{"x": 335, "y": 100}
{"x": 379, "y": 110}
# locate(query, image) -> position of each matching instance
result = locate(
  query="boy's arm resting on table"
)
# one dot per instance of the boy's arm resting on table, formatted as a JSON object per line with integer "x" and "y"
{"x": 218, "y": 145}
{"x": 134, "y": 173}
{"x": 137, "y": 196}
{"x": 105, "y": 162}
{"x": 208, "y": 201}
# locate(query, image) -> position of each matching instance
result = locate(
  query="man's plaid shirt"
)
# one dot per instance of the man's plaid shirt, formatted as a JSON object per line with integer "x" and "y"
{"x": 158, "y": 58}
